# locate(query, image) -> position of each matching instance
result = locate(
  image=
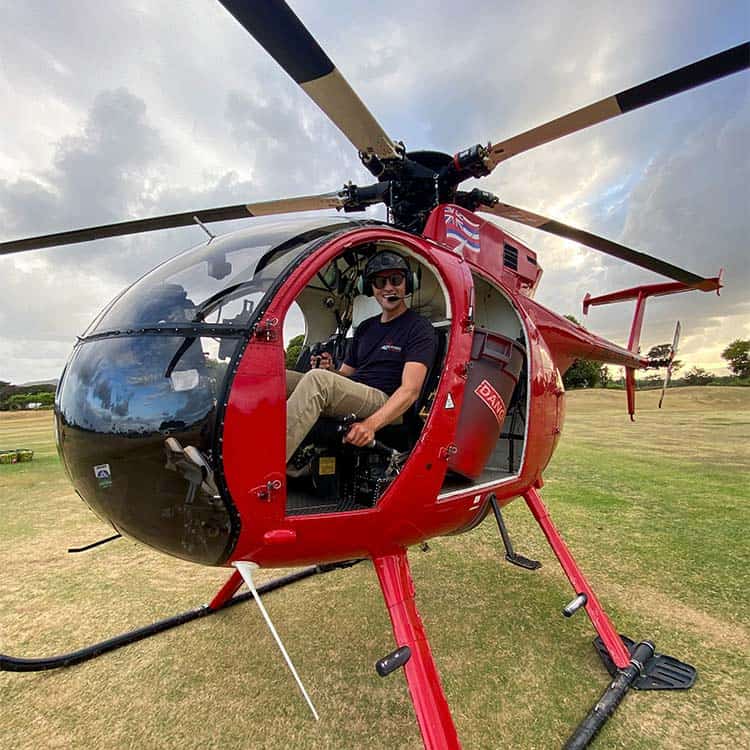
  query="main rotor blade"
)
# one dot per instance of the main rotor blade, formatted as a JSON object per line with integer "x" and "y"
{"x": 601, "y": 244}
{"x": 170, "y": 221}
{"x": 278, "y": 30}
{"x": 710, "y": 69}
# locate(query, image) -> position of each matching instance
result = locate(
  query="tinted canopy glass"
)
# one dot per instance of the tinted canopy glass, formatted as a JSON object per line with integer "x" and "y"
{"x": 139, "y": 407}
{"x": 219, "y": 281}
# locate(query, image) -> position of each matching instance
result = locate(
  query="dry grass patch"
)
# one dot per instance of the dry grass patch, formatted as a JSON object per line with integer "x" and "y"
{"x": 653, "y": 511}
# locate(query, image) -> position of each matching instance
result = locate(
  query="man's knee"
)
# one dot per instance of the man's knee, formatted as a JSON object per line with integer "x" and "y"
{"x": 317, "y": 381}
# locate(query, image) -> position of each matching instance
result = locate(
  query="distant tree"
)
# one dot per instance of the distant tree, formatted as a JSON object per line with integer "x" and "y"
{"x": 605, "y": 377}
{"x": 697, "y": 376}
{"x": 662, "y": 351}
{"x": 293, "y": 350}
{"x": 651, "y": 380}
{"x": 737, "y": 355}
{"x": 583, "y": 373}
{"x": 22, "y": 400}
{"x": 15, "y": 396}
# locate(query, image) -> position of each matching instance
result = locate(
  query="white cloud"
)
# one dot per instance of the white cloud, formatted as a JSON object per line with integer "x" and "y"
{"x": 137, "y": 109}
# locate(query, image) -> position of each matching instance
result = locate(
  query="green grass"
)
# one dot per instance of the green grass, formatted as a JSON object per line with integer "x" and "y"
{"x": 655, "y": 512}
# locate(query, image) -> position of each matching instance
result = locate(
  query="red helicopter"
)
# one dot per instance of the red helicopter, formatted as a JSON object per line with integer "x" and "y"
{"x": 170, "y": 412}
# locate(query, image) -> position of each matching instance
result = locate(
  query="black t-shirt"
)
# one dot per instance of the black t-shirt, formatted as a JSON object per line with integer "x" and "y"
{"x": 379, "y": 351}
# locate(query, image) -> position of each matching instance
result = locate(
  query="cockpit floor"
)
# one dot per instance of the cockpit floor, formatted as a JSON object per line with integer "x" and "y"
{"x": 300, "y": 501}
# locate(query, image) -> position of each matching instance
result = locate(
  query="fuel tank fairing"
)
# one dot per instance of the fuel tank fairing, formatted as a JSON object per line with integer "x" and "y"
{"x": 155, "y": 365}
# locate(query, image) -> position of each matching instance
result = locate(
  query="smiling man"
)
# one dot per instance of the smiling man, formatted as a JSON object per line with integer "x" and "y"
{"x": 384, "y": 371}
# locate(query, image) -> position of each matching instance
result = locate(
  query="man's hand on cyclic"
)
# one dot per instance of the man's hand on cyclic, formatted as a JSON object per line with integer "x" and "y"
{"x": 322, "y": 362}
{"x": 360, "y": 434}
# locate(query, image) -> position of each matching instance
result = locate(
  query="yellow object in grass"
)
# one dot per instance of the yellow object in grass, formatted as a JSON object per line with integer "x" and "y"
{"x": 16, "y": 456}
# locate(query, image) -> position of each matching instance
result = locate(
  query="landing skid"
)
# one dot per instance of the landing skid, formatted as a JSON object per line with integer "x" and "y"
{"x": 224, "y": 599}
{"x": 630, "y": 664}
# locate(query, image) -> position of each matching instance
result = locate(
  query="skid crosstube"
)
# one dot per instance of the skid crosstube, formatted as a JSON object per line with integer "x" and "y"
{"x": 429, "y": 701}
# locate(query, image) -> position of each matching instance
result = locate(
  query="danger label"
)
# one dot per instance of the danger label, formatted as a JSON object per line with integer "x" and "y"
{"x": 492, "y": 399}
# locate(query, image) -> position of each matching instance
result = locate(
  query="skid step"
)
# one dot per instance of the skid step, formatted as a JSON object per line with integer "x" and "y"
{"x": 510, "y": 554}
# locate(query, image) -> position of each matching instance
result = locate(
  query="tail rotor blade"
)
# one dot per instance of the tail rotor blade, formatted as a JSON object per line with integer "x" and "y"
{"x": 672, "y": 355}
{"x": 704, "y": 71}
{"x": 676, "y": 339}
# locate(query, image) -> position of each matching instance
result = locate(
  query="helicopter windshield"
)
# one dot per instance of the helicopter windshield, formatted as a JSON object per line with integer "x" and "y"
{"x": 138, "y": 403}
{"x": 217, "y": 282}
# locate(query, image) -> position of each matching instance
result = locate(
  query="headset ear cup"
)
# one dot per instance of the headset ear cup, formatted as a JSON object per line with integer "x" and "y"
{"x": 412, "y": 282}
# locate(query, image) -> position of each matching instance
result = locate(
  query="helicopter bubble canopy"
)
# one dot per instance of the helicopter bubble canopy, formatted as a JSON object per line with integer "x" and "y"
{"x": 207, "y": 283}
{"x": 139, "y": 406}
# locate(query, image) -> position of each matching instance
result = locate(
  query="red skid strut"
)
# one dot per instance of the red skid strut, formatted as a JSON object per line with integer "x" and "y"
{"x": 430, "y": 704}
{"x": 227, "y": 591}
{"x": 617, "y": 651}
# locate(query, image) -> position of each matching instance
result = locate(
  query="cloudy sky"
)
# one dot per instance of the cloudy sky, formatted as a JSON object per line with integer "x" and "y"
{"x": 143, "y": 107}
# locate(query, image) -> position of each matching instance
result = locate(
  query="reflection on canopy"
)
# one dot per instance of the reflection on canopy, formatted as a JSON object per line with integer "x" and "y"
{"x": 140, "y": 403}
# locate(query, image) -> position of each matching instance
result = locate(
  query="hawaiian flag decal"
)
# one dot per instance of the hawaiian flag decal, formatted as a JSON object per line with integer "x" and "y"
{"x": 458, "y": 227}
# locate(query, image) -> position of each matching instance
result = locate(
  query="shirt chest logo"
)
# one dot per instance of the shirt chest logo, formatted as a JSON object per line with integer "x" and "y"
{"x": 388, "y": 347}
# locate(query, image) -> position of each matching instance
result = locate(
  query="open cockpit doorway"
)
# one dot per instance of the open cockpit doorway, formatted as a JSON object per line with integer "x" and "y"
{"x": 324, "y": 474}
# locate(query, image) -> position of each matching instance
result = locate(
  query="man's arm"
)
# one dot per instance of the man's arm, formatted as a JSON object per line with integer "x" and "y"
{"x": 412, "y": 378}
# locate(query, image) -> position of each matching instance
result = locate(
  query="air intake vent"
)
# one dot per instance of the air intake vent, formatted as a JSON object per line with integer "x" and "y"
{"x": 510, "y": 257}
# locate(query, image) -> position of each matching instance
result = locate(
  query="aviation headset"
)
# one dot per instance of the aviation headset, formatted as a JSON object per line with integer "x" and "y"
{"x": 386, "y": 261}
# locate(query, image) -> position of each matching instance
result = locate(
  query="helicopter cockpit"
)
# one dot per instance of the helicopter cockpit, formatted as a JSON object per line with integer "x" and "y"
{"x": 139, "y": 405}
{"x": 328, "y": 475}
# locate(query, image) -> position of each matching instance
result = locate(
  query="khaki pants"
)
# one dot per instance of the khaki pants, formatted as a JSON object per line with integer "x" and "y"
{"x": 324, "y": 393}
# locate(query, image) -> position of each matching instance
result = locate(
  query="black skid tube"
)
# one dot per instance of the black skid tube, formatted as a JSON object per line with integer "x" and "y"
{"x": 611, "y": 698}
{"x": 17, "y": 664}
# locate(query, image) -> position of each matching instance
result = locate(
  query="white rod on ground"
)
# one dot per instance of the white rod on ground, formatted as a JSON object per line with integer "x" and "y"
{"x": 246, "y": 571}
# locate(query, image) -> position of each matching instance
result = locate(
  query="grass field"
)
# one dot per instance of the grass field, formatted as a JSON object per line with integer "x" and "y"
{"x": 656, "y": 513}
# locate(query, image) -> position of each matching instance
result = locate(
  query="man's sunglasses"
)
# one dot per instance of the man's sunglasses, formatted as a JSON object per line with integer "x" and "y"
{"x": 395, "y": 279}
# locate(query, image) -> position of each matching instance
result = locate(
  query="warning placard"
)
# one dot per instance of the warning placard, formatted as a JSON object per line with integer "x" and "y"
{"x": 492, "y": 399}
